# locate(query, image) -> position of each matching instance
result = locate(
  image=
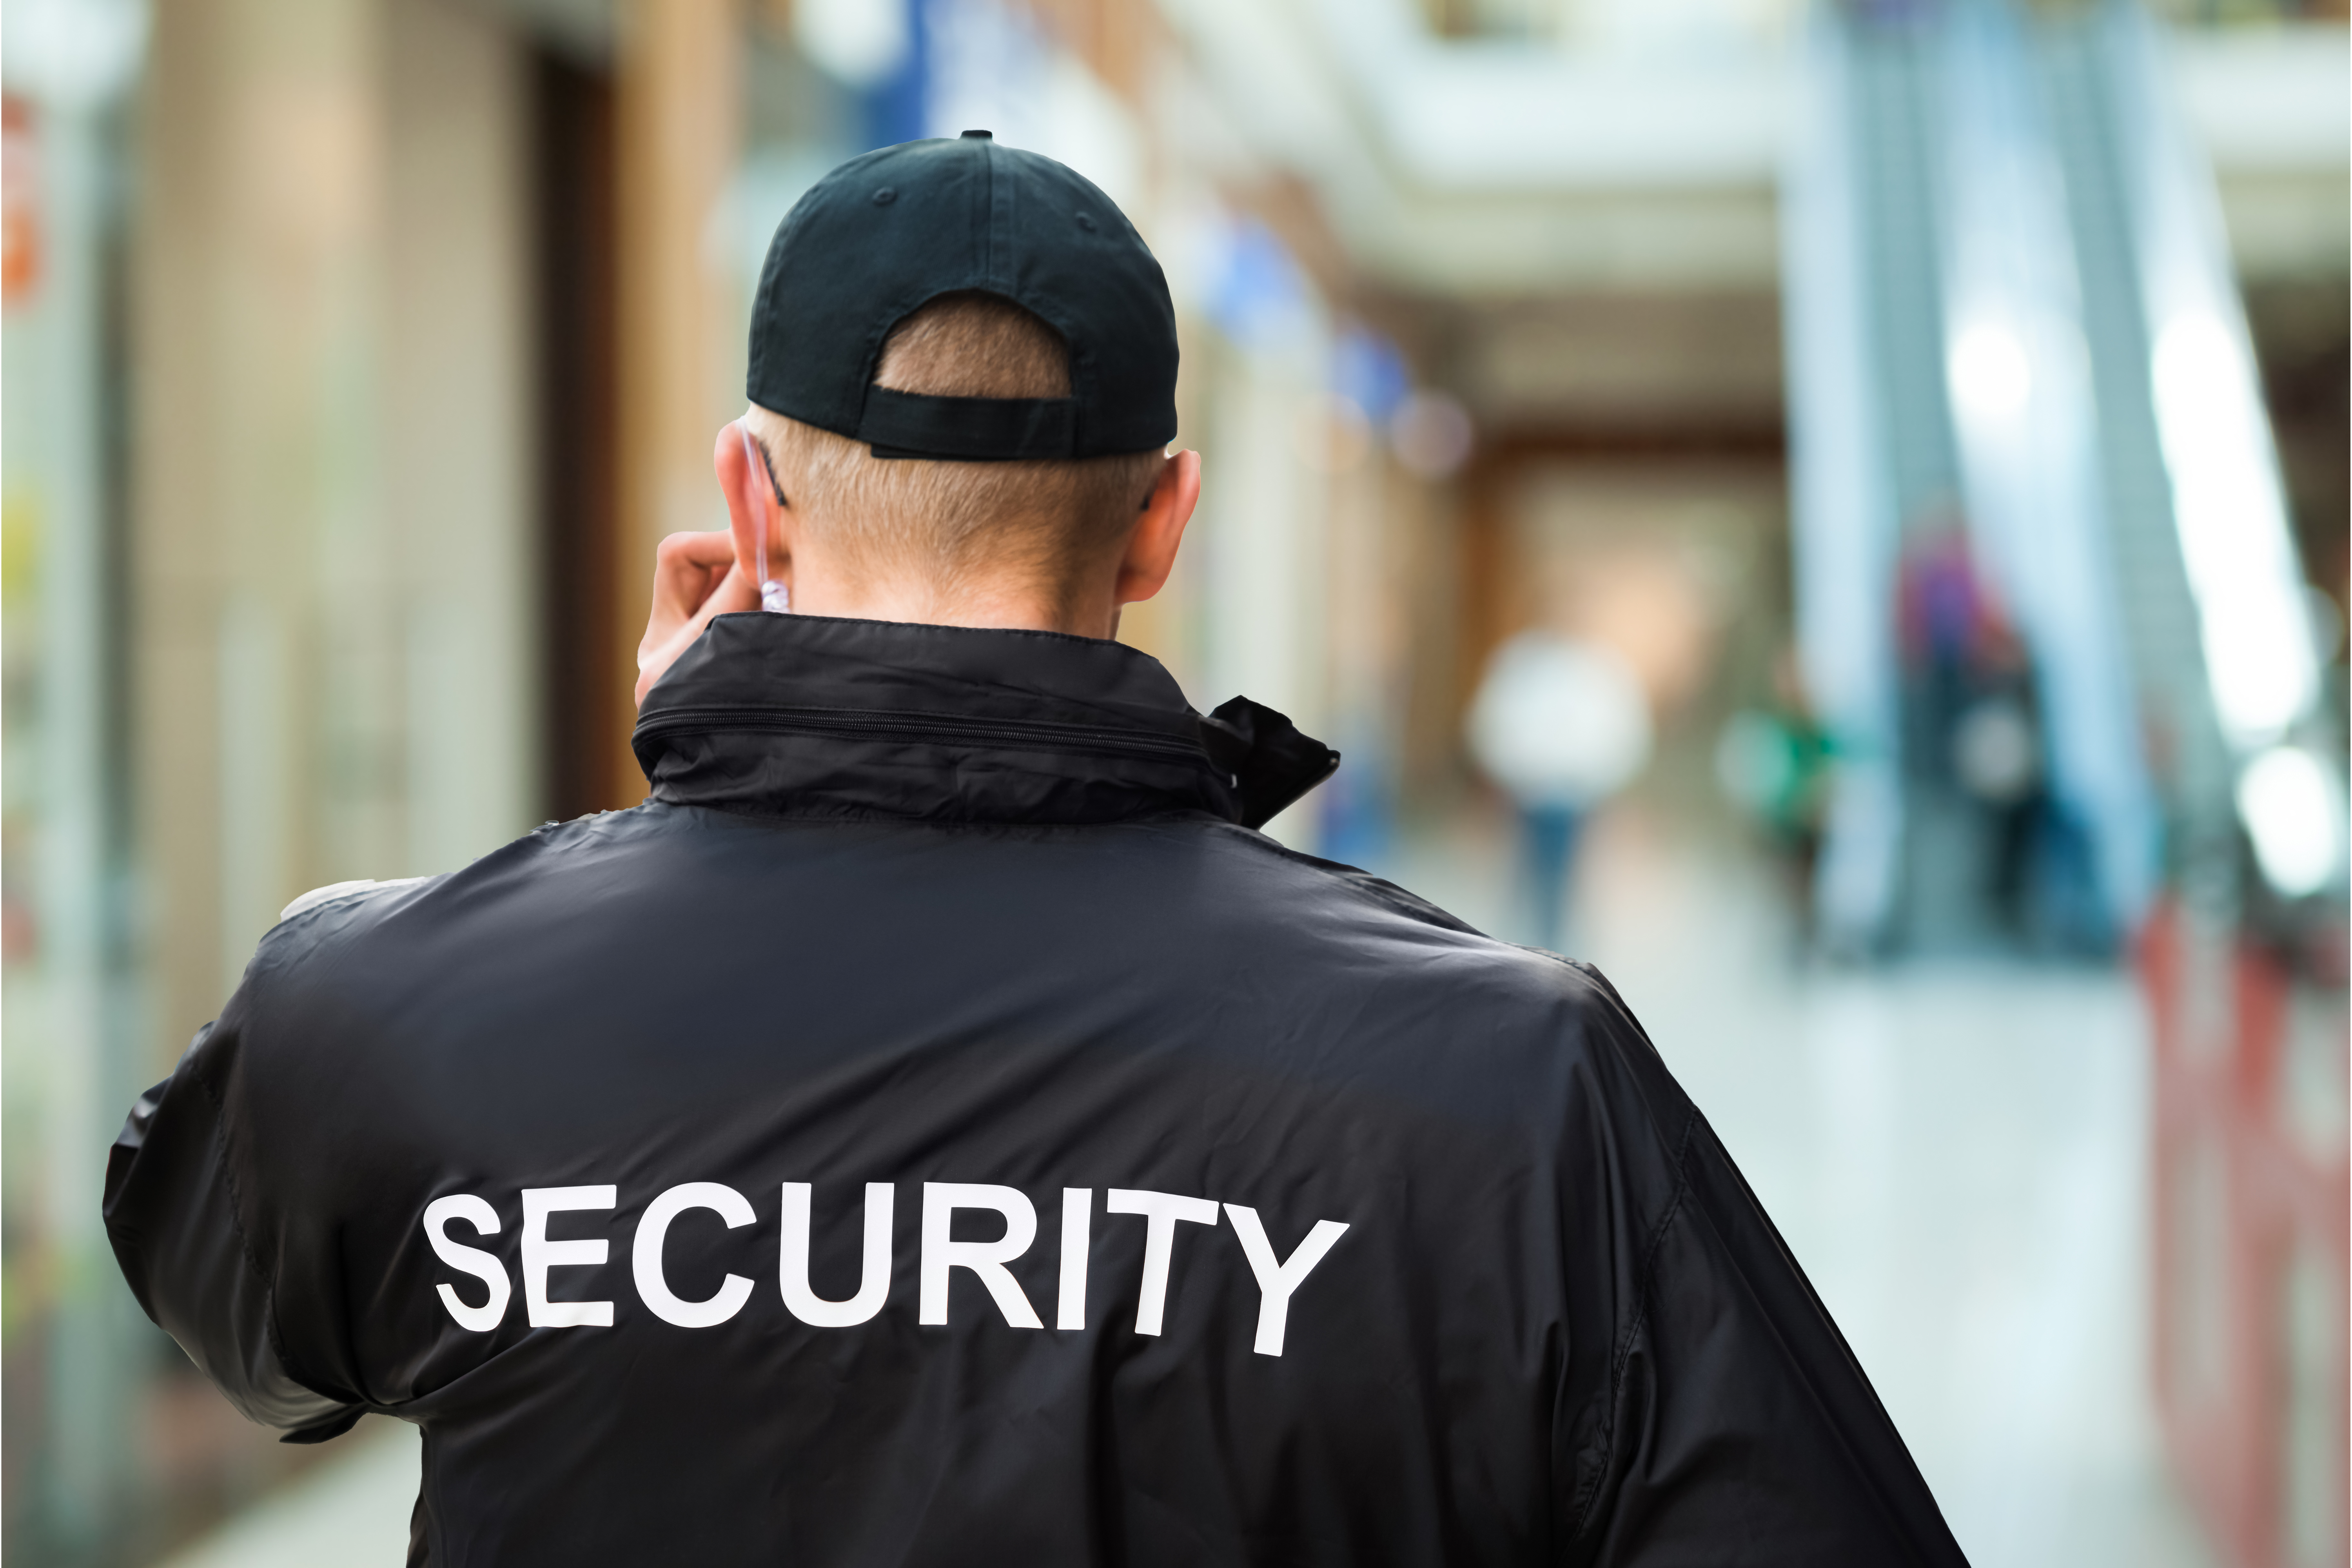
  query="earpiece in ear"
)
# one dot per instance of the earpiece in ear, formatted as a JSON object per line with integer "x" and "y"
{"x": 775, "y": 597}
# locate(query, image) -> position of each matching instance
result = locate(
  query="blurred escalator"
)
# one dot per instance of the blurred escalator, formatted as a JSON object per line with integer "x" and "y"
{"x": 2048, "y": 596}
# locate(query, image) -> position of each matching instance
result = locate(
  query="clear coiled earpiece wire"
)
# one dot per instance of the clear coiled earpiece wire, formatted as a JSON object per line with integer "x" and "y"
{"x": 775, "y": 597}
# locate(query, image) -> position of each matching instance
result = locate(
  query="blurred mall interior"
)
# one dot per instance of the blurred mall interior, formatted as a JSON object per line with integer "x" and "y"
{"x": 1926, "y": 417}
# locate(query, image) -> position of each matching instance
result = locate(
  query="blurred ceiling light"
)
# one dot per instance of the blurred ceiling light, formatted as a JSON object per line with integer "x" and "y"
{"x": 2233, "y": 533}
{"x": 75, "y": 54}
{"x": 2293, "y": 811}
{"x": 1431, "y": 434}
{"x": 1990, "y": 376}
{"x": 857, "y": 42}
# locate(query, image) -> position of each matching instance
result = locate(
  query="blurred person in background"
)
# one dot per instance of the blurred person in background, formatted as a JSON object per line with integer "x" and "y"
{"x": 1368, "y": 1238}
{"x": 1559, "y": 724}
{"x": 1975, "y": 744}
{"x": 1775, "y": 761}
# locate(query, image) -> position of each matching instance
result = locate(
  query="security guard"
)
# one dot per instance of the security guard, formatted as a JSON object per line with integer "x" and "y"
{"x": 936, "y": 1127}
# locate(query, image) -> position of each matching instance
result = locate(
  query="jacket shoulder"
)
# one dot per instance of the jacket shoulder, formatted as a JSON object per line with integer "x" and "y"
{"x": 1327, "y": 878}
{"x": 323, "y": 915}
{"x": 1352, "y": 906}
{"x": 310, "y": 945}
{"x": 1522, "y": 1010}
{"x": 336, "y": 892}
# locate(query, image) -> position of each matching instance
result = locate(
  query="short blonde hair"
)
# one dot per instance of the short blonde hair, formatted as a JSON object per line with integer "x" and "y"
{"x": 951, "y": 522}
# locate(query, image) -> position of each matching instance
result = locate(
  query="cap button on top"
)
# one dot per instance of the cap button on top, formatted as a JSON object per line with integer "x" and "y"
{"x": 980, "y": 135}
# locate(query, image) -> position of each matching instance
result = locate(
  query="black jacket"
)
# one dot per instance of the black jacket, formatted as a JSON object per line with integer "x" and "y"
{"x": 932, "y": 1129}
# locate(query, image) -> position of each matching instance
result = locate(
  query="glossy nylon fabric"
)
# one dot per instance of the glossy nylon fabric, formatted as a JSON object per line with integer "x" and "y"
{"x": 1556, "y": 1329}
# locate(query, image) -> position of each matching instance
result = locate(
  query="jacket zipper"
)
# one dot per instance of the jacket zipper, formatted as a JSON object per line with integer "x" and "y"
{"x": 934, "y": 729}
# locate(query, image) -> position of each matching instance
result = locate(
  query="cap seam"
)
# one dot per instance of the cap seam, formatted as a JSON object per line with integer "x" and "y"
{"x": 988, "y": 227}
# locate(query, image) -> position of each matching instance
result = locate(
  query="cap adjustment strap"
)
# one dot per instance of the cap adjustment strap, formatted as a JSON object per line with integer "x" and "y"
{"x": 968, "y": 430}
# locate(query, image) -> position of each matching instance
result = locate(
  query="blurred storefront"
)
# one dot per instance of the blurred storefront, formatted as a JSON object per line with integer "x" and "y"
{"x": 358, "y": 351}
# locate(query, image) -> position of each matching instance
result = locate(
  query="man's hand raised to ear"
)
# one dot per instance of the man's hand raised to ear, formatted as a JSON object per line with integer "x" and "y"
{"x": 699, "y": 575}
{"x": 695, "y": 578}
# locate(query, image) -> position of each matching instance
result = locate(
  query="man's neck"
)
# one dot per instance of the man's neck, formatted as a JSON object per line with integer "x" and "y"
{"x": 998, "y": 604}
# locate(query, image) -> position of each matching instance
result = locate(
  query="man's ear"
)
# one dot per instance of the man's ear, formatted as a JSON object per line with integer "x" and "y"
{"x": 753, "y": 507}
{"x": 1150, "y": 552}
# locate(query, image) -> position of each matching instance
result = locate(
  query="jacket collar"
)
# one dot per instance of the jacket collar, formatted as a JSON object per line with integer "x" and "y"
{"x": 809, "y": 715}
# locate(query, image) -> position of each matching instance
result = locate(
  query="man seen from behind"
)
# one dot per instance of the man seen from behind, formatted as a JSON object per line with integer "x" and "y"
{"x": 937, "y": 1127}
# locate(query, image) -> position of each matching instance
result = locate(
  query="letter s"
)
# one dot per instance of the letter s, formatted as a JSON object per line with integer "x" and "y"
{"x": 473, "y": 1260}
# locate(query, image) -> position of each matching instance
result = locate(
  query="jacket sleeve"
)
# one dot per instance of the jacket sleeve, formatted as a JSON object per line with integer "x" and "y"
{"x": 1740, "y": 1426}
{"x": 172, "y": 1213}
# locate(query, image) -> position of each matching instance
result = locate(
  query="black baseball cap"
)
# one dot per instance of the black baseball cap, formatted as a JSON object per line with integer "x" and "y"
{"x": 885, "y": 233}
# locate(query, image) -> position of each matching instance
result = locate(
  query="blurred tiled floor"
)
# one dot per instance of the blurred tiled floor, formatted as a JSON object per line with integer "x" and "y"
{"x": 1956, "y": 1155}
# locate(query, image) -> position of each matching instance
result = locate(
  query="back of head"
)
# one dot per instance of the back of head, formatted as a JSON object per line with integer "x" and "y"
{"x": 952, "y": 525}
{"x": 967, "y": 360}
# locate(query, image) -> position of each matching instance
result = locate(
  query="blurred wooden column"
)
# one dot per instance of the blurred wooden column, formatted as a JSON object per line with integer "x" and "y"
{"x": 678, "y": 122}
{"x": 256, "y": 559}
{"x": 332, "y": 601}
